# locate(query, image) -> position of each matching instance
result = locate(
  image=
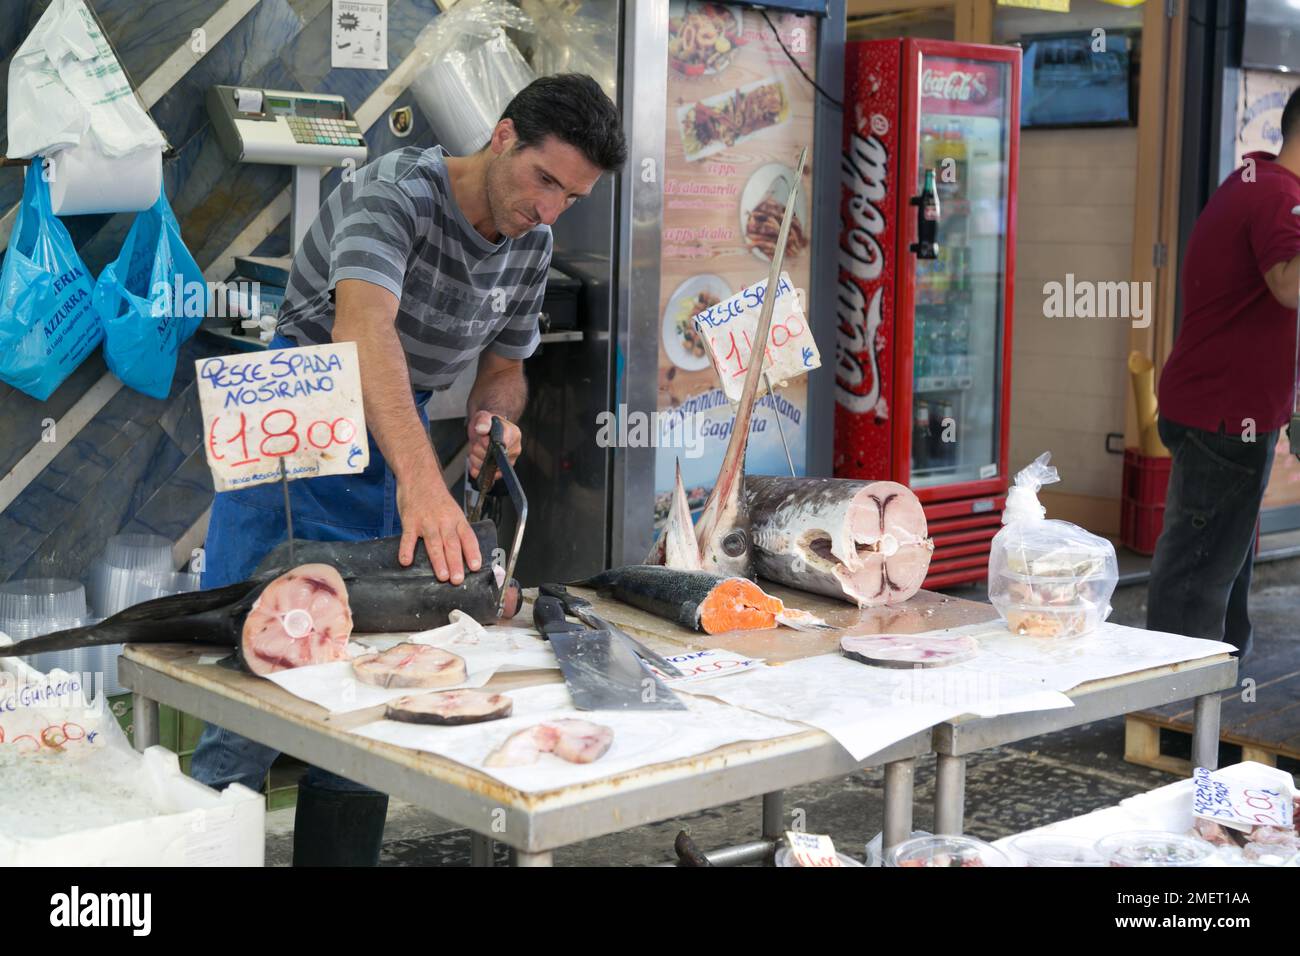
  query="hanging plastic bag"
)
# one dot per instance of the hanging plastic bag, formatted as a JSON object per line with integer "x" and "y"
{"x": 569, "y": 42}
{"x": 1048, "y": 578}
{"x": 48, "y": 324}
{"x": 150, "y": 300}
{"x": 469, "y": 70}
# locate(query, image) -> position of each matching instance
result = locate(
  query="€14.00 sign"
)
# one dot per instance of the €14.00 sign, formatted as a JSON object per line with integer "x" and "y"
{"x": 729, "y": 327}
{"x": 301, "y": 406}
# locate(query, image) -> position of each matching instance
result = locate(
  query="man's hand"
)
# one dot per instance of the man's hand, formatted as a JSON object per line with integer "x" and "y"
{"x": 431, "y": 514}
{"x": 480, "y": 425}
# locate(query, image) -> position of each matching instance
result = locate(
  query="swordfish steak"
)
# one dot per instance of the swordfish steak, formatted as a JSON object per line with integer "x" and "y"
{"x": 577, "y": 741}
{"x": 411, "y": 665}
{"x": 302, "y": 617}
{"x": 462, "y": 706}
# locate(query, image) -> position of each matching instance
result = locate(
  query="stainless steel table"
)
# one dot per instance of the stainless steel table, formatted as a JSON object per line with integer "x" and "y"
{"x": 1095, "y": 700}
{"x": 533, "y": 824}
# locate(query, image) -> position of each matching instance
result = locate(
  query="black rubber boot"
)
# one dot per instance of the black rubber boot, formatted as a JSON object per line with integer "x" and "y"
{"x": 338, "y": 827}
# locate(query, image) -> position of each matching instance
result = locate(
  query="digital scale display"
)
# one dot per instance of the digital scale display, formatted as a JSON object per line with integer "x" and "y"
{"x": 310, "y": 109}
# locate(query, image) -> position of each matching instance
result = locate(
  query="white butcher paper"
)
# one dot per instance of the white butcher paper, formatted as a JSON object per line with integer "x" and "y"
{"x": 868, "y": 708}
{"x": 486, "y": 650}
{"x": 1063, "y": 663}
{"x": 641, "y": 737}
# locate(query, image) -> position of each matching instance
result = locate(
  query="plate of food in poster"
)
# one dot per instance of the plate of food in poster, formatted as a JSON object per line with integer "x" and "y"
{"x": 720, "y": 122}
{"x": 684, "y": 345}
{"x": 762, "y": 206}
{"x": 702, "y": 37}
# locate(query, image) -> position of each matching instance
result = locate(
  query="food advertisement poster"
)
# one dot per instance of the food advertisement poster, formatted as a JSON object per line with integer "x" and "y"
{"x": 739, "y": 112}
{"x": 1260, "y": 98}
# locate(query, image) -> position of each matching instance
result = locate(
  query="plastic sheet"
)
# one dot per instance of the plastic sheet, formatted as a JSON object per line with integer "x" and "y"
{"x": 470, "y": 69}
{"x": 1048, "y": 578}
{"x": 567, "y": 42}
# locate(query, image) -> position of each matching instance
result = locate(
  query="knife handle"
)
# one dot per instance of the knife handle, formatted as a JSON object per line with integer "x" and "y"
{"x": 548, "y": 612}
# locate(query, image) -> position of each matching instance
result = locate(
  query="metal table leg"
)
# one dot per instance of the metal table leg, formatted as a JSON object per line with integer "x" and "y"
{"x": 1205, "y": 732}
{"x": 898, "y": 801}
{"x": 950, "y": 795}
{"x": 144, "y": 719}
{"x": 773, "y": 815}
{"x": 480, "y": 850}
{"x": 532, "y": 859}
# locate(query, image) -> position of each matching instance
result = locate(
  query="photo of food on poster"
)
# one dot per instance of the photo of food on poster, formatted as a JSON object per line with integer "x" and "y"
{"x": 738, "y": 114}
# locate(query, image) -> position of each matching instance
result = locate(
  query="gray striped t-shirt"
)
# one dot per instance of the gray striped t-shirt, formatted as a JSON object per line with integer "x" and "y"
{"x": 397, "y": 225}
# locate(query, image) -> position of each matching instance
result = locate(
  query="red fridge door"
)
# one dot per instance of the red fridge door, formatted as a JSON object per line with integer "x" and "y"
{"x": 952, "y": 344}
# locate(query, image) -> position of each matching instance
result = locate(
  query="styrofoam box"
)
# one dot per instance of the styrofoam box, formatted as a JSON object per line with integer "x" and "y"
{"x": 205, "y": 828}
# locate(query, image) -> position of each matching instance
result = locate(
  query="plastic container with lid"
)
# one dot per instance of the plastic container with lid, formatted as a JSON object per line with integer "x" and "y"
{"x": 1153, "y": 848}
{"x": 1047, "y": 849}
{"x": 945, "y": 851}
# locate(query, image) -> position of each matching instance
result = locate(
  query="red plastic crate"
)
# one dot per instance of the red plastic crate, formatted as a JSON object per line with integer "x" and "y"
{"x": 1140, "y": 525}
{"x": 1146, "y": 479}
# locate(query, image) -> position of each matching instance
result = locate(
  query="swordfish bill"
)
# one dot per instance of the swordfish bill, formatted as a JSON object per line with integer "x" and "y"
{"x": 723, "y": 531}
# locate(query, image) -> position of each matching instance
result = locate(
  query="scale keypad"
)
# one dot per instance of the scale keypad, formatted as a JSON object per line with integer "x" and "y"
{"x": 325, "y": 132}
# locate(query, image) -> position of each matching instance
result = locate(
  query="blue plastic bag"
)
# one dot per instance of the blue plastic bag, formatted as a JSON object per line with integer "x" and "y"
{"x": 150, "y": 300}
{"x": 48, "y": 324}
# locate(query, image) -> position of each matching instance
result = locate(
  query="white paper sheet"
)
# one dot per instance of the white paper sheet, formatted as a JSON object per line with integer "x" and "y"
{"x": 641, "y": 738}
{"x": 868, "y": 708}
{"x": 485, "y": 651}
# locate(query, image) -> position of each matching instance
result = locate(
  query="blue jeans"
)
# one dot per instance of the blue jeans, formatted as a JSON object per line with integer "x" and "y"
{"x": 1200, "y": 575}
{"x": 245, "y": 526}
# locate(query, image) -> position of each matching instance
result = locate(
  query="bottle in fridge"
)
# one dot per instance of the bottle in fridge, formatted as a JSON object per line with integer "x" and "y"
{"x": 936, "y": 331}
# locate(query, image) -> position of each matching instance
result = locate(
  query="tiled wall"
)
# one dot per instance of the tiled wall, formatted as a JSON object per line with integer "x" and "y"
{"x": 138, "y": 464}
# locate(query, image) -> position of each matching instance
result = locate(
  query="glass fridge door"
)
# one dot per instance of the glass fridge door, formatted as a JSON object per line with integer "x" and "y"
{"x": 958, "y": 299}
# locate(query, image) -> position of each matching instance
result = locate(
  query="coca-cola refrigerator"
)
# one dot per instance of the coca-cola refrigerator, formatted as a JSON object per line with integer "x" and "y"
{"x": 923, "y": 358}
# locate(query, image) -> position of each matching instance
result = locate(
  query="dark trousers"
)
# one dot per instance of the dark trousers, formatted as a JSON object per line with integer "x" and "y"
{"x": 1200, "y": 576}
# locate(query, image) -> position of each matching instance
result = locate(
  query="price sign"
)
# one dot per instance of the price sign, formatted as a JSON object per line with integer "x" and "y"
{"x": 301, "y": 406}
{"x": 1234, "y": 804}
{"x": 812, "y": 849}
{"x": 728, "y": 330}
{"x": 702, "y": 665}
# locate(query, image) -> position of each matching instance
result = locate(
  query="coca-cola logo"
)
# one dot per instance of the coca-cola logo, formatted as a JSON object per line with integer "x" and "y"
{"x": 862, "y": 263}
{"x": 954, "y": 85}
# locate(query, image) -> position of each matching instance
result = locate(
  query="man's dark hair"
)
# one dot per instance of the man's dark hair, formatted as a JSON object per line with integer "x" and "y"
{"x": 1291, "y": 116}
{"x": 573, "y": 108}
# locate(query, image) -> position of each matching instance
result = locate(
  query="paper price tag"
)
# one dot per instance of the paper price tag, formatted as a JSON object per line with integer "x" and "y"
{"x": 300, "y": 406}
{"x": 812, "y": 849}
{"x": 1230, "y": 803}
{"x": 702, "y": 665}
{"x": 728, "y": 329}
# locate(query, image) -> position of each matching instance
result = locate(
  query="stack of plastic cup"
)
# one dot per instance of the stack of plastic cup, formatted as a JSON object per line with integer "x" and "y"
{"x": 37, "y": 606}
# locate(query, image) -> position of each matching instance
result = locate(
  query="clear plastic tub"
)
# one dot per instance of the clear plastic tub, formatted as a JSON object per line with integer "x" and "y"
{"x": 139, "y": 552}
{"x": 36, "y": 606}
{"x": 785, "y": 858}
{"x": 1045, "y": 849}
{"x": 1025, "y": 589}
{"x": 1153, "y": 848}
{"x": 945, "y": 851}
{"x": 1030, "y": 620}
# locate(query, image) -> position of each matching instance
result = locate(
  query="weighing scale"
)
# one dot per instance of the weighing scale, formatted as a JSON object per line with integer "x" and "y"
{"x": 310, "y": 132}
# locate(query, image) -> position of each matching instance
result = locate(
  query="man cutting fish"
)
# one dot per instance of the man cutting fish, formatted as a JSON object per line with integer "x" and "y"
{"x": 429, "y": 263}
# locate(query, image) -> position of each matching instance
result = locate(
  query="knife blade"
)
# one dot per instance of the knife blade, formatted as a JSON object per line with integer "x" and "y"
{"x": 584, "y": 610}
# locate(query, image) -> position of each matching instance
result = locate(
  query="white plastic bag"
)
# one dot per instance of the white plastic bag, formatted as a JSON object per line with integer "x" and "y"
{"x": 1048, "y": 578}
{"x": 470, "y": 70}
{"x": 65, "y": 85}
{"x": 570, "y": 42}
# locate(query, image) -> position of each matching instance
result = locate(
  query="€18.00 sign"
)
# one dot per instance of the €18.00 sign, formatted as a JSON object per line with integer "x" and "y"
{"x": 298, "y": 406}
{"x": 729, "y": 328}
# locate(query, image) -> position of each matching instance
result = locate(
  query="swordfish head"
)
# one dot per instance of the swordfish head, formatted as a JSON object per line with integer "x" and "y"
{"x": 723, "y": 532}
{"x": 676, "y": 546}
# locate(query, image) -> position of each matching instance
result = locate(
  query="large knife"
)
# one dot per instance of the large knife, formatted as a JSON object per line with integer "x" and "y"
{"x": 601, "y": 669}
{"x": 585, "y": 611}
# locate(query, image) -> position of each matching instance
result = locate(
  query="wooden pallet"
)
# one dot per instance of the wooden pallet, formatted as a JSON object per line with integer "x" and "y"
{"x": 1265, "y": 728}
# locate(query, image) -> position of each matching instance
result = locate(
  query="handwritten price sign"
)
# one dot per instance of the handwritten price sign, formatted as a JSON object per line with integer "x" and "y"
{"x": 300, "y": 406}
{"x": 729, "y": 327}
{"x": 1231, "y": 803}
{"x": 702, "y": 665}
{"x": 811, "y": 849}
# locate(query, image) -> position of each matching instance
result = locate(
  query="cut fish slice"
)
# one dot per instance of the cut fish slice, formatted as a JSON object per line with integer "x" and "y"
{"x": 450, "y": 707}
{"x": 302, "y": 617}
{"x": 411, "y": 665}
{"x": 863, "y": 542}
{"x": 909, "y": 650}
{"x": 577, "y": 741}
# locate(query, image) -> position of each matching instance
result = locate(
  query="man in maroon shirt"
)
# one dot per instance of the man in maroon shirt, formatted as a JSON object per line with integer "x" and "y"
{"x": 1227, "y": 389}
